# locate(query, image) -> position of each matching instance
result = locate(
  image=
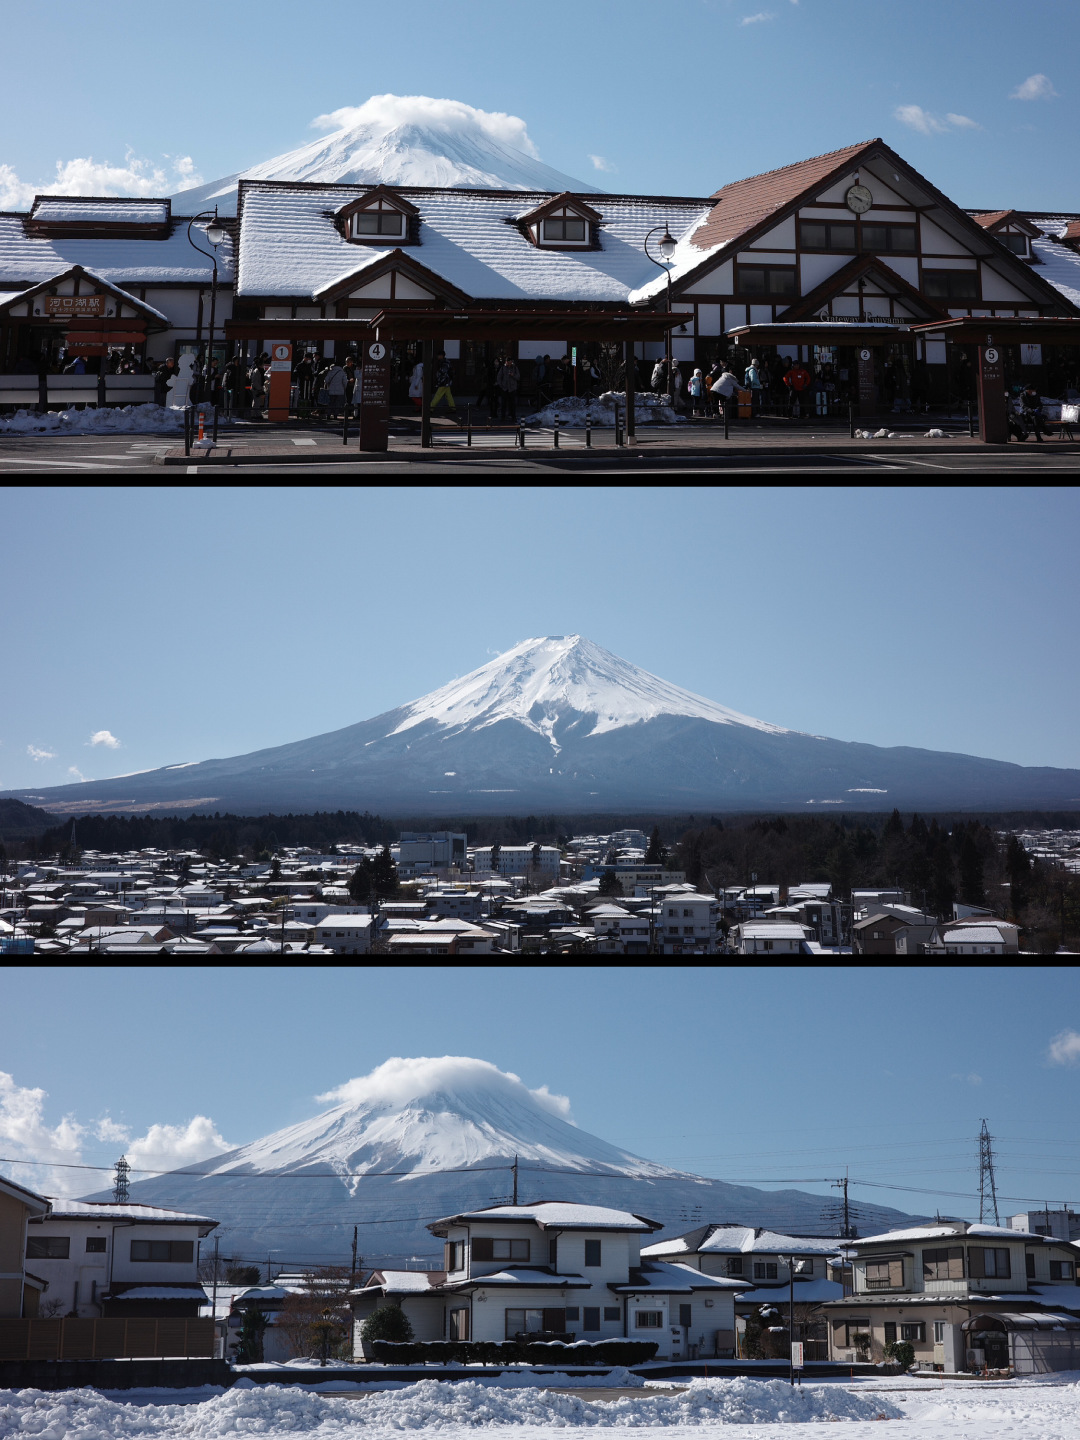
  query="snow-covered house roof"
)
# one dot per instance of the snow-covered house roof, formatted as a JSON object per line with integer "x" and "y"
{"x": 741, "y": 1240}
{"x": 973, "y": 935}
{"x": 403, "y": 1282}
{"x": 109, "y": 1210}
{"x": 555, "y": 1213}
{"x": 517, "y": 1277}
{"x": 93, "y": 210}
{"x": 950, "y": 1230}
{"x": 291, "y": 245}
{"x": 674, "y": 1279}
{"x": 163, "y": 1292}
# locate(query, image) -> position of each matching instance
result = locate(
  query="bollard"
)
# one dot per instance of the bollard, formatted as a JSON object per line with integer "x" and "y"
{"x": 345, "y": 424}
{"x": 618, "y": 433}
{"x": 555, "y": 433}
{"x": 215, "y": 423}
{"x": 727, "y": 414}
{"x": 202, "y": 422}
{"x": 187, "y": 429}
{"x": 971, "y": 421}
{"x": 851, "y": 420}
{"x": 468, "y": 425}
{"x": 521, "y": 434}
{"x": 588, "y": 429}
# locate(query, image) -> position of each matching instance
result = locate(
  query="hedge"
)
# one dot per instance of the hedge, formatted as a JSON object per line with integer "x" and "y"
{"x": 508, "y": 1352}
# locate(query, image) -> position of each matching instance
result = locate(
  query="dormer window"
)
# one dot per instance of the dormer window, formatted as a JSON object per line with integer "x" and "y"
{"x": 380, "y": 217}
{"x": 1018, "y": 244}
{"x": 563, "y": 228}
{"x": 378, "y": 222}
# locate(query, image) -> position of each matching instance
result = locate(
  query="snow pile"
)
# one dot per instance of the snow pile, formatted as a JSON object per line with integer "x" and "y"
{"x": 567, "y": 680}
{"x": 937, "y": 434}
{"x": 249, "y": 1409}
{"x": 878, "y": 435}
{"x": 572, "y": 411}
{"x": 128, "y": 420}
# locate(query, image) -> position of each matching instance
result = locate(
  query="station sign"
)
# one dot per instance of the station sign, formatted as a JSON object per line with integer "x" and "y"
{"x": 374, "y": 391}
{"x": 74, "y": 304}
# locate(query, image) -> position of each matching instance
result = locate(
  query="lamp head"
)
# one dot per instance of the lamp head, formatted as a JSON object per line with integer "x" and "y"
{"x": 667, "y": 244}
{"x": 215, "y": 232}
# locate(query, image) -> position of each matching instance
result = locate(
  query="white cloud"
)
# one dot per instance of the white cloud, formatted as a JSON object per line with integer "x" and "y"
{"x": 1065, "y": 1048}
{"x": 600, "y": 163}
{"x": 104, "y": 737}
{"x": 383, "y": 113}
{"x": 168, "y": 1147}
{"x": 26, "y": 1136}
{"x": 971, "y": 1079}
{"x": 87, "y": 176}
{"x": 1035, "y": 87}
{"x": 76, "y": 773}
{"x": 37, "y": 753}
{"x": 758, "y": 18}
{"x": 395, "y": 1082}
{"x": 927, "y": 123}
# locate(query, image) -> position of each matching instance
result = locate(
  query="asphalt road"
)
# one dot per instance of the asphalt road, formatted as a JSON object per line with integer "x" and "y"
{"x": 24, "y": 457}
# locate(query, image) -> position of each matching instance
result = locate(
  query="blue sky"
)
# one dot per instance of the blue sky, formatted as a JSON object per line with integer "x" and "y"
{"x": 747, "y": 1075}
{"x": 677, "y": 98}
{"x": 171, "y": 625}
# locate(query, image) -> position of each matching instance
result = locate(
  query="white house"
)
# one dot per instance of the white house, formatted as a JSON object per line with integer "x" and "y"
{"x": 618, "y": 932}
{"x": 769, "y": 937}
{"x": 345, "y": 934}
{"x": 518, "y": 860}
{"x": 555, "y": 1270}
{"x": 103, "y": 1259}
{"x": 687, "y": 922}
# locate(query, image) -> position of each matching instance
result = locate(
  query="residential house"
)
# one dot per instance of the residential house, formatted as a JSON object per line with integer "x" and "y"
{"x": 617, "y": 932}
{"x": 1000, "y": 938}
{"x": 418, "y": 852}
{"x": 686, "y": 923}
{"x": 555, "y": 1270}
{"x": 763, "y": 1260}
{"x": 769, "y": 937}
{"x": 897, "y": 930}
{"x": 344, "y": 934}
{"x": 541, "y": 860}
{"x": 125, "y": 1260}
{"x": 20, "y": 1289}
{"x": 955, "y": 1291}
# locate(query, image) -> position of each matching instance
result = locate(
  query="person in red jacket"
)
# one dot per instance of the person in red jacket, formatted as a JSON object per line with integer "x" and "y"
{"x": 798, "y": 379}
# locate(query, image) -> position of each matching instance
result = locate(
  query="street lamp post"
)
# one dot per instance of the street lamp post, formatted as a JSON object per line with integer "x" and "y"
{"x": 215, "y": 233}
{"x": 667, "y": 249}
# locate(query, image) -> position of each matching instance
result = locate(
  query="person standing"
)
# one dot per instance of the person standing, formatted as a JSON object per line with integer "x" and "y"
{"x": 752, "y": 382}
{"x": 416, "y": 385}
{"x": 508, "y": 380}
{"x": 334, "y": 382}
{"x": 798, "y": 380}
{"x": 304, "y": 374}
{"x": 659, "y": 377}
{"x": 696, "y": 391}
{"x": 443, "y": 379}
{"x": 258, "y": 388}
{"x": 676, "y": 386}
{"x": 724, "y": 387}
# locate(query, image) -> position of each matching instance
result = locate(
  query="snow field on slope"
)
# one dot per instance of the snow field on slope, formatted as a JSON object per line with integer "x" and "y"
{"x": 430, "y": 1405}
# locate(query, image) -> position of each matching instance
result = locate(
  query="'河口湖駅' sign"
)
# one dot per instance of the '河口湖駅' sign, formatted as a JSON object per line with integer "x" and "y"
{"x": 75, "y": 305}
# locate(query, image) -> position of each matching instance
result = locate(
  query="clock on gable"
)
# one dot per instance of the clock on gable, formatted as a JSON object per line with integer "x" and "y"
{"x": 858, "y": 199}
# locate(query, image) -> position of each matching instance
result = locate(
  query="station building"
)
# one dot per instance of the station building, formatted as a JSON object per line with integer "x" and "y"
{"x": 847, "y": 260}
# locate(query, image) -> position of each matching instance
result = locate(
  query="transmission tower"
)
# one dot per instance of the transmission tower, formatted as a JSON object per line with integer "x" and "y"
{"x": 120, "y": 1181}
{"x": 987, "y": 1183}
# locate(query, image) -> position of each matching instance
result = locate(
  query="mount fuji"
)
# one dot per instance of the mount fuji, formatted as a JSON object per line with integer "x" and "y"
{"x": 560, "y": 725}
{"x": 418, "y": 1139}
{"x": 402, "y": 140}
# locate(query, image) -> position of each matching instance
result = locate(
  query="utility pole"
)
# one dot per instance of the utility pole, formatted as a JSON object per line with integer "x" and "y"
{"x": 846, "y": 1223}
{"x": 987, "y": 1183}
{"x": 514, "y": 1168}
{"x": 352, "y": 1272}
{"x": 213, "y": 1301}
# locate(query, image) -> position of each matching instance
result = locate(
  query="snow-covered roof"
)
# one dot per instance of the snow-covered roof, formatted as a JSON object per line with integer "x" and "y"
{"x": 947, "y": 1232}
{"x": 1060, "y": 264}
{"x": 564, "y": 1216}
{"x": 164, "y": 1292}
{"x": 103, "y": 212}
{"x": 522, "y": 1276}
{"x": 772, "y": 930}
{"x": 973, "y": 935}
{"x": 109, "y": 1210}
{"x": 807, "y": 1292}
{"x": 36, "y": 258}
{"x": 743, "y": 1240}
{"x": 670, "y": 1279}
{"x": 404, "y": 1282}
{"x": 290, "y": 245}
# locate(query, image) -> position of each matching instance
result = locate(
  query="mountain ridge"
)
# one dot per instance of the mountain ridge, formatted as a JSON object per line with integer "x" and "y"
{"x": 559, "y": 724}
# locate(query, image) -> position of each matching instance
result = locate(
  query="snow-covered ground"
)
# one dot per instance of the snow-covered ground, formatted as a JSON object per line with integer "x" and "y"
{"x": 126, "y": 420}
{"x": 763, "y": 1409}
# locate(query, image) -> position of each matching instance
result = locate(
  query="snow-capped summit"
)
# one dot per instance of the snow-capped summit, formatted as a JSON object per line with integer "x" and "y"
{"x": 563, "y": 680}
{"x": 402, "y": 140}
{"x": 422, "y": 1137}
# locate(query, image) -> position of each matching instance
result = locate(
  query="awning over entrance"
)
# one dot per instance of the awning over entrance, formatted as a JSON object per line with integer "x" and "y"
{"x": 1002, "y": 330}
{"x": 471, "y": 324}
{"x": 820, "y": 332}
{"x": 1022, "y": 1320}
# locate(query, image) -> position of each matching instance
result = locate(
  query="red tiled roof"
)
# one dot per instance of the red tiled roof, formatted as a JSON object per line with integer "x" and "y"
{"x": 991, "y": 218}
{"x": 746, "y": 203}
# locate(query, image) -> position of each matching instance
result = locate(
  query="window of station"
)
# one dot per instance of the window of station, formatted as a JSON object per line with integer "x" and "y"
{"x": 378, "y": 222}
{"x": 899, "y": 239}
{"x": 563, "y": 229}
{"x": 1018, "y": 244}
{"x": 48, "y": 1247}
{"x": 951, "y": 284}
{"x": 828, "y": 235}
{"x": 767, "y": 280}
